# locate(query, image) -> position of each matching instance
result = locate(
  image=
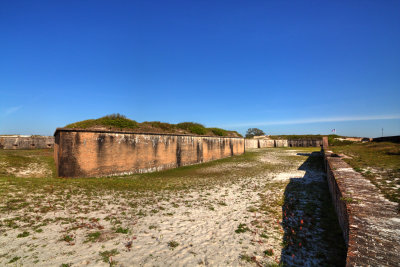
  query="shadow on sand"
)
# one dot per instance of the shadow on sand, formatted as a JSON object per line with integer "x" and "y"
{"x": 312, "y": 236}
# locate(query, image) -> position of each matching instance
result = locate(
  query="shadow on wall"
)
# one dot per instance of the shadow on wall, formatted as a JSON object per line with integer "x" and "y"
{"x": 312, "y": 235}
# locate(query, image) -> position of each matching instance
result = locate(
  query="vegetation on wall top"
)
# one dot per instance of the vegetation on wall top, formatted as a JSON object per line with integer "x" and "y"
{"x": 111, "y": 121}
{"x": 296, "y": 137}
{"x": 122, "y": 123}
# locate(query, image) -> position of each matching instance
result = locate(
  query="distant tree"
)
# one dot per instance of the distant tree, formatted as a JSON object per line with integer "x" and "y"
{"x": 251, "y": 132}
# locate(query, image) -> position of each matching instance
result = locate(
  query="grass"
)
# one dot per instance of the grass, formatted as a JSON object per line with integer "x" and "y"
{"x": 192, "y": 127}
{"x": 218, "y": 131}
{"x": 67, "y": 238}
{"x": 378, "y": 162}
{"x": 173, "y": 179}
{"x": 269, "y": 252}
{"x": 173, "y": 244}
{"x": 14, "y": 160}
{"x": 23, "y": 234}
{"x": 247, "y": 258}
{"x": 122, "y": 230}
{"x": 119, "y": 122}
{"x": 113, "y": 121}
{"x": 242, "y": 228}
{"x": 92, "y": 237}
{"x": 105, "y": 255}
{"x": 14, "y": 259}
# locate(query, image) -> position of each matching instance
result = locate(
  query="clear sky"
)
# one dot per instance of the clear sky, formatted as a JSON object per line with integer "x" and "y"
{"x": 287, "y": 67}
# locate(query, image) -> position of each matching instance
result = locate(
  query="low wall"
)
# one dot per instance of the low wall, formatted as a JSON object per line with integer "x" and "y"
{"x": 369, "y": 222}
{"x": 85, "y": 153}
{"x": 336, "y": 193}
{"x": 261, "y": 143}
{"x": 251, "y": 143}
{"x": 26, "y": 142}
{"x": 305, "y": 143}
{"x": 393, "y": 139}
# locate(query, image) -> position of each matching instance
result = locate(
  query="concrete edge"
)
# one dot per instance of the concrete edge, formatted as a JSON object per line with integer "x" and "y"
{"x": 130, "y": 132}
{"x": 344, "y": 209}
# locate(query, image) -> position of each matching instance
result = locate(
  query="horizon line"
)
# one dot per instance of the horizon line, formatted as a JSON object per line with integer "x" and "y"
{"x": 316, "y": 120}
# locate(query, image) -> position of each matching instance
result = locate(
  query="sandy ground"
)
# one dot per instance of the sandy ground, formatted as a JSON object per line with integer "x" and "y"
{"x": 237, "y": 223}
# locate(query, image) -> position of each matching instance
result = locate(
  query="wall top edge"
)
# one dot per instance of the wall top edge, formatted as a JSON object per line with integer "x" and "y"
{"x": 125, "y": 132}
{"x": 26, "y": 136}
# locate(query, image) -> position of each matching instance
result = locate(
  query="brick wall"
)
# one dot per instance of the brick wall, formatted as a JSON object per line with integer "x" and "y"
{"x": 261, "y": 143}
{"x": 369, "y": 221}
{"x": 80, "y": 153}
{"x": 26, "y": 142}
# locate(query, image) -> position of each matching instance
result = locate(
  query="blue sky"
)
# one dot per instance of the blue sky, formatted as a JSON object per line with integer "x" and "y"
{"x": 287, "y": 67}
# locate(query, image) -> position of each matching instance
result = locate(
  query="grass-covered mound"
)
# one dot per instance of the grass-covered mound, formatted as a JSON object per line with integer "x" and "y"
{"x": 121, "y": 123}
{"x": 110, "y": 121}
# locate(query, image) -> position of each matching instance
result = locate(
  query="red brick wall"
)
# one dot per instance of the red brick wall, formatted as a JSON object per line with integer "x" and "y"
{"x": 81, "y": 153}
{"x": 339, "y": 175}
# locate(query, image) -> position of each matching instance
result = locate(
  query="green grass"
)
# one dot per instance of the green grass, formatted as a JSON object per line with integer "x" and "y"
{"x": 67, "y": 238}
{"x": 23, "y": 234}
{"x": 14, "y": 190}
{"x": 383, "y": 158}
{"x": 113, "y": 121}
{"x": 105, "y": 255}
{"x": 192, "y": 127}
{"x": 269, "y": 252}
{"x": 218, "y": 131}
{"x": 122, "y": 230}
{"x": 14, "y": 259}
{"x": 22, "y": 158}
{"x": 92, "y": 237}
{"x": 173, "y": 244}
{"x": 120, "y": 122}
{"x": 242, "y": 228}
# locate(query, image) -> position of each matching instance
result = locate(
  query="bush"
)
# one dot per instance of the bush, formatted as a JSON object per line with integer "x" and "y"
{"x": 335, "y": 142}
{"x": 218, "y": 131}
{"x": 119, "y": 122}
{"x": 113, "y": 121}
{"x": 192, "y": 127}
{"x": 160, "y": 125}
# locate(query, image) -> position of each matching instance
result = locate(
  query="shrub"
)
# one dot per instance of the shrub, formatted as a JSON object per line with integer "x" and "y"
{"x": 235, "y": 132}
{"x": 218, "y": 131}
{"x": 161, "y": 125}
{"x": 335, "y": 142}
{"x": 192, "y": 127}
{"x": 113, "y": 121}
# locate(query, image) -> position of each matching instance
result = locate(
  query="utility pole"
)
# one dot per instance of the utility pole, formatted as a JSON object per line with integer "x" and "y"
{"x": 382, "y": 132}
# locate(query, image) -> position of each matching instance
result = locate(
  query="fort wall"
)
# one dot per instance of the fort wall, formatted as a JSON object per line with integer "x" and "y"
{"x": 26, "y": 142}
{"x": 369, "y": 222}
{"x": 261, "y": 143}
{"x": 88, "y": 153}
{"x": 393, "y": 139}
